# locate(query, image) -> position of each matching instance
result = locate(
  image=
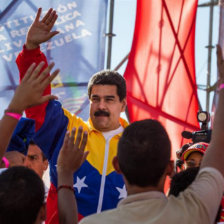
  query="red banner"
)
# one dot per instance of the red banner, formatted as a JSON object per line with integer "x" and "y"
{"x": 160, "y": 73}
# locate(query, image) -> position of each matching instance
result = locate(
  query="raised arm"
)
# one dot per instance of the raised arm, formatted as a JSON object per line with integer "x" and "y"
{"x": 70, "y": 158}
{"x": 39, "y": 32}
{"x": 27, "y": 94}
{"x": 214, "y": 156}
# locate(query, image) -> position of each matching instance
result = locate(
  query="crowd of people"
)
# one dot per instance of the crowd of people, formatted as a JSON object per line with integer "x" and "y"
{"x": 103, "y": 170}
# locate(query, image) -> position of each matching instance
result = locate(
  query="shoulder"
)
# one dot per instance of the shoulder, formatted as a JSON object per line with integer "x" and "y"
{"x": 203, "y": 196}
{"x": 109, "y": 216}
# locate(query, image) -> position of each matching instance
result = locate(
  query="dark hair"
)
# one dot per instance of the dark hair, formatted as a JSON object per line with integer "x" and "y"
{"x": 108, "y": 77}
{"x": 182, "y": 180}
{"x": 21, "y": 195}
{"x": 144, "y": 152}
{"x": 42, "y": 153}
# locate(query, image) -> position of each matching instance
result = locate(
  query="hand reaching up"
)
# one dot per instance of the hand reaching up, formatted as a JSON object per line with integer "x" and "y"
{"x": 72, "y": 153}
{"x": 40, "y": 30}
{"x": 70, "y": 158}
{"x": 29, "y": 92}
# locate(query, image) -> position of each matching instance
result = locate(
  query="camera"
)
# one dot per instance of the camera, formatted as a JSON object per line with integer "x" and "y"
{"x": 204, "y": 135}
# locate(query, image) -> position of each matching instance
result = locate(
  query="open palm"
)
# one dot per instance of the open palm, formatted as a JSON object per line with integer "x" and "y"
{"x": 40, "y": 30}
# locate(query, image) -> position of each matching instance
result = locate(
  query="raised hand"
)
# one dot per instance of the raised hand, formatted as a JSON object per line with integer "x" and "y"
{"x": 40, "y": 30}
{"x": 72, "y": 153}
{"x": 70, "y": 158}
{"x": 29, "y": 92}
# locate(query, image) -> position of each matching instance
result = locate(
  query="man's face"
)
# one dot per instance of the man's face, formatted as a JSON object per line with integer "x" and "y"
{"x": 105, "y": 107}
{"x": 193, "y": 160}
{"x": 34, "y": 160}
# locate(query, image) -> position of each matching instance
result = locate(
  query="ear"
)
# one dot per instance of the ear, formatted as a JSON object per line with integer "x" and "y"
{"x": 45, "y": 164}
{"x": 124, "y": 104}
{"x": 116, "y": 165}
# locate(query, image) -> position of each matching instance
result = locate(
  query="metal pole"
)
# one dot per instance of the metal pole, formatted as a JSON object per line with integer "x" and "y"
{"x": 209, "y": 55}
{"x": 215, "y": 2}
{"x": 122, "y": 62}
{"x": 110, "y": 34}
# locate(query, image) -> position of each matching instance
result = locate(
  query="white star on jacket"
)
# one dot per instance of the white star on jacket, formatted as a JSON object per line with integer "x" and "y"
{"x": 80, "y": 184}
{"x": 122, "y": 191}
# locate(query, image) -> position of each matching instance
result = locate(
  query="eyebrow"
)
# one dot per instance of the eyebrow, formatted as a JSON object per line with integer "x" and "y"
{"x": 32, "y": 156}
{"x": 109, "y": 96}
{"x": 95, "y": 96}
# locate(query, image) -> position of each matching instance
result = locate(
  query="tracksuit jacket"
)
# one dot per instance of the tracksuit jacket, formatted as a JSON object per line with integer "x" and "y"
{"x": 97, "y": 186}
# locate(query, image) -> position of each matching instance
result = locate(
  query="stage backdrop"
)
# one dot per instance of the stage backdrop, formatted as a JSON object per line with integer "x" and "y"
{"x": 161, "y": 69}
{"x": 78, "y": 50}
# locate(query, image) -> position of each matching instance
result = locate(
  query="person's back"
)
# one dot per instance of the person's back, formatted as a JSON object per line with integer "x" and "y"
{"x": 144, "y": 160}
{"x": 21, "y": 197}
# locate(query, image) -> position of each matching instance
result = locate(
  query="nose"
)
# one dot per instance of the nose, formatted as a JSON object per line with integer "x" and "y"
{"x": 102, "y": 104}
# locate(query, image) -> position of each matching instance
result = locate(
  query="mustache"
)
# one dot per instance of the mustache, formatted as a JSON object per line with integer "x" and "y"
{"x": 101, "y": 113}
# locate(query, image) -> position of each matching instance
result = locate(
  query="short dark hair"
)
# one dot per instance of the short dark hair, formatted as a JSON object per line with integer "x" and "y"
{"x": 182, "y": 180}
{"x": 108, "y": 77}
{"x": 32, "y": 142}
{"x": 21, "y": 195}
{"x": 144, "y": 152}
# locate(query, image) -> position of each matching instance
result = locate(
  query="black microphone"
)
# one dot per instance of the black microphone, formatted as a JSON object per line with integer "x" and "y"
{"x": 187, "y": 134}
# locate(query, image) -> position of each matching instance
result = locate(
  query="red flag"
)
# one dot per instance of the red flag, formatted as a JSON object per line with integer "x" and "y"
{"x": 160, "y": 73}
